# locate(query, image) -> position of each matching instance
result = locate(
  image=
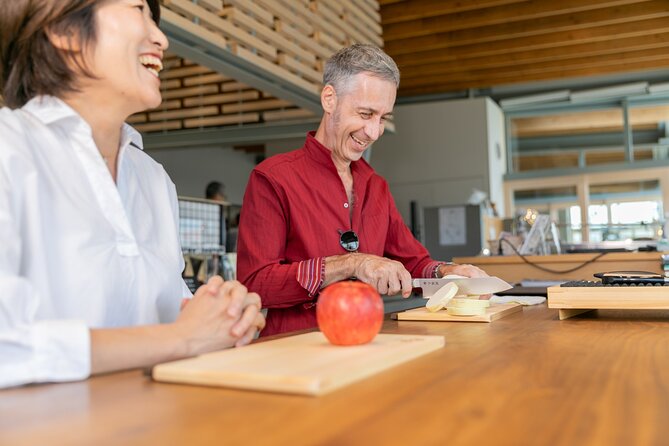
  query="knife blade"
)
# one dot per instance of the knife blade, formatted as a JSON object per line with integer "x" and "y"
{"x": 473, "y": 286}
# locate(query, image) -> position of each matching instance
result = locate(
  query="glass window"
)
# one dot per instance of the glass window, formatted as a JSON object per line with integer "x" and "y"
{"x": 635, "y": 212}
{"x": 555, "y": 202}
{"x": 598, "y": 219}
{"x": 598, "y": 214}
{"x": 617, "y": 211}
{"x": 574, "y": 225}
{"x": 625, "y": 211}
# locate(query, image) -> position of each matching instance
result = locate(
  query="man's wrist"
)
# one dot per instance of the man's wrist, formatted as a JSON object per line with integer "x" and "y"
{"x": 340, "y": 267}
{"x": 438, "y": 273}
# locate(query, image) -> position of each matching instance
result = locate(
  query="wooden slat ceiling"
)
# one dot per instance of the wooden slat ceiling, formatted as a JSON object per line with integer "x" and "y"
{"x": 452, "y": 45}
{"x": 195, "y": 97}
{"x": 289, "y": 38}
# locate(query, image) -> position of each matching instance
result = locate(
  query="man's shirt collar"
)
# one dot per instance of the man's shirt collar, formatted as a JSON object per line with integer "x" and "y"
{"x": 323, "y": 155}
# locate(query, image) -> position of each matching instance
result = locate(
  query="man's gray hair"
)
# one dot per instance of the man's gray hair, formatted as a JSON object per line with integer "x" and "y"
{"x": 359, "y": 58}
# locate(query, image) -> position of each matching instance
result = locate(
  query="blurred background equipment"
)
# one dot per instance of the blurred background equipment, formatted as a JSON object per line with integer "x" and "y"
{"x": 202, "y": 232}
{"x": 453, "y": 230}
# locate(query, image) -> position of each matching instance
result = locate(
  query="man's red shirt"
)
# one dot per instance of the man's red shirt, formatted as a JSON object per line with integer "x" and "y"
{"x": 294, "y": 208}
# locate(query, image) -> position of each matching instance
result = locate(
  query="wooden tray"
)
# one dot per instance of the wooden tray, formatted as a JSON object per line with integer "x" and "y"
{"x": 304, "y": 364}
{"x": 494, "y": 311}
{"x": 571, "y": 301}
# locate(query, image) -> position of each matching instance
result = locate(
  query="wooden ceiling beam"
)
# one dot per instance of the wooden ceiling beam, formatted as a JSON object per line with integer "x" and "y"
{"x": 623, "y": 17}
{"x": 454, "y": 45}
{"x": 529, "y": 10}
{"x": 560, "y": 41}
{"x": 422, "y": 9}
{"x": 557, "y": 66}
{"x": 440, "y": 84}
{"x": 540, "y": 56}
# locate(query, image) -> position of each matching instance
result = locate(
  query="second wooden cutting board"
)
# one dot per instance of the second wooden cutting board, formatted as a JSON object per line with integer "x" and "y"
{"x": 495, "y": 311}
{"x": 304, "y": 364}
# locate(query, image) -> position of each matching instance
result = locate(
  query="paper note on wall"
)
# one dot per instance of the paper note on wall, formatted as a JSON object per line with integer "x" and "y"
{"x": 452, "y": 226}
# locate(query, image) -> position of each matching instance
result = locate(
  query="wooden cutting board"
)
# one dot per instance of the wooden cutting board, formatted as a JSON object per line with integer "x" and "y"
{"x": 574, "y": 300}
{"x": 304, "y": 364}
{"x": 494, "y": 311}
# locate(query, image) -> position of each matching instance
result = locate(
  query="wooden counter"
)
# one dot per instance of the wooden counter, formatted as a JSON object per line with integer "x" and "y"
{"x": 525, "y": 379}
{"x": 514, "y": 269}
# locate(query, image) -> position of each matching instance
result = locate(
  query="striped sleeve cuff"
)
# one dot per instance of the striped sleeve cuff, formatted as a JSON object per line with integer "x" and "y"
{"x": 310, "y": 275}
{"x": 431, "y": 269}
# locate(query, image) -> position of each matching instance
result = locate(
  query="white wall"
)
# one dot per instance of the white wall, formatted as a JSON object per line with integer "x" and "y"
{"x": 283, "y": 145}
{"x": 192, "y": 169}
{"x": 441, "y": 151}
{"x": 496, "y": 156}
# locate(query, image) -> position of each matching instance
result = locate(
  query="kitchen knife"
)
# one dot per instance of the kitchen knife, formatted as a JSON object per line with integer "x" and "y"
{"x": 473, "y": 286}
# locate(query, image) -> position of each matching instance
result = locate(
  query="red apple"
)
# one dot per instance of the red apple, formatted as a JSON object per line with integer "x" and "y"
{"x": 349, "y": 313}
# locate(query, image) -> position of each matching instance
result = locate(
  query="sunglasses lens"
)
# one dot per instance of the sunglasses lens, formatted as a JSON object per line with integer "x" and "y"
{"x": 349, "y": 241}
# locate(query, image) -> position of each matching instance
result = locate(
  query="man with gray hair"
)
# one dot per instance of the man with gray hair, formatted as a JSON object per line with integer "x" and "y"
{"x": 320, "y": 214}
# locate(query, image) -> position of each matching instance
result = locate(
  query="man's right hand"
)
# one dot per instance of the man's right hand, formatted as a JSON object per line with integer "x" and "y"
{"x": 387, "y": 276}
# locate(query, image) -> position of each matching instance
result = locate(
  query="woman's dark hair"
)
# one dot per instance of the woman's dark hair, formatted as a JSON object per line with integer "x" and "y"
{"x": 154, "y": 5}
{"x": 29, "y": 63}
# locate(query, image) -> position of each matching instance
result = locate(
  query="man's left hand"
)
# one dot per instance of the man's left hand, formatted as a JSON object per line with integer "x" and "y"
{"x": 464, "y": 270}
{"x": 461, "y": 270}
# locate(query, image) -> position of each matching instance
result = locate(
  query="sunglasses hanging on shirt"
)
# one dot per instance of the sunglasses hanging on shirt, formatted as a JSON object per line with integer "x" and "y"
{"x": 349, "y": 240}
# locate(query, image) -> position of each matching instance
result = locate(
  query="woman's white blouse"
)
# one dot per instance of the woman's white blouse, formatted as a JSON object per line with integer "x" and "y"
{"x": 78, "y": 251}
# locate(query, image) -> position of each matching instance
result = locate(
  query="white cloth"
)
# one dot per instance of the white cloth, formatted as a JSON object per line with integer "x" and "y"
{"x": 78, "y": 251}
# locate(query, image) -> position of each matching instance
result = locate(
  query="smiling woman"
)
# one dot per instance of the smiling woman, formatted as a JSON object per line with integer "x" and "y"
{"x": 25, "y": 33}
{"x": 90, "y": 266}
